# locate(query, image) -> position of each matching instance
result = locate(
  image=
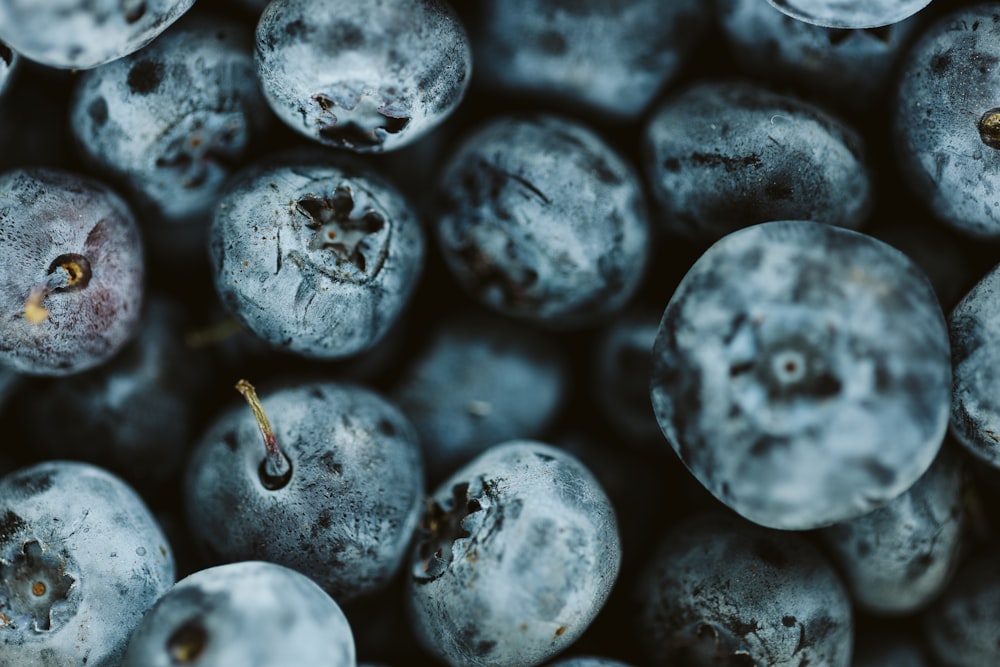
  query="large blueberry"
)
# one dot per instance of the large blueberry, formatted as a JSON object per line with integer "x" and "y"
{"x": 172, "y": 121}
{"x": 802, "y": 373}
{"x": 79, "y": 34}
{"x": 518, "y": 553}
{"x": 341, "y": 505}
{"x": 365, "y": 76}
{"x": 722, "y": 591}
{"x": 947, "y": 119}
{"x": 721, "y": 156}
{"x": 317, "y": 258}
{"x": 974, "y": 326}
{"x": 249, "y": 613}
{"x": 543, "y": 221}
{"x": 602, "y": 56}
{"x": 71, "y": 275}
{"x": 850, "y": 13}
{"x": 81, "y": 560}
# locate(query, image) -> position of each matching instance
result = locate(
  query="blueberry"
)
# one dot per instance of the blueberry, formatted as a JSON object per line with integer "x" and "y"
{"x": 71, "y": 281}
{"x": 543, "y": 221}
{"x": 249, "y": 613}
{"x": 335, "y": 492}
{"x": 975, "y": 413}
{"x": 608, "y": 58}
{"x": 79, "y": 34}
{"x": 81, "y": 561}
{"x": 899, "y": 557}
{"x": 518, "y": 552}
{"x": 480, "y": 381}
{"x": 620, "y": 377}
{"x": 801, "y": 372}
{"x": 317, "y": 259}
{"x": 172, "y": 121}
{"x": 961, "y": 625}
{"x": 587, "y": 661}
{"x": 845, "y": 68}
{"x": 850, "y": 13}
{"x": 946, "y": 120}
{"x": 135, "y": 414}
{"x": 365, "y": 76}
{"x": 722, "y": 156}
{"x": 721, "y": 591}
{"x": 9, "y": 64}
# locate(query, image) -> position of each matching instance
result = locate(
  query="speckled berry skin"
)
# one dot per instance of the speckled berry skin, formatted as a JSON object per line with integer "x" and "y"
{"x": 134, "y": 415}
{"x": 899, "y": 557}
{"x": 170, "y": 121}
{"x": 802, "y": 373}
{"x": 846, "y": 69}
{"x": 480, "y": 381}
{"x": 347, "y": 512}
{"x": 948, "y": 88}
{"x": 850, "y": 13}
{"x": 367, "y": 76}
{"x": 961, "y": 626}
{"x": 316, "y": 259}
{"x": 81, "y": 560}
{"x": 601, "y": 57}
{"x": 975, "y": 356}
{"x": 518, "y": 554}
{"x": 542, "y": 221}
{"x": 80, "y": 34}
{"x": 47, "y": 216}
{"x": 249, "y": 613}
{"x": 720, "y": 590}
{"x": 720, "y": 156}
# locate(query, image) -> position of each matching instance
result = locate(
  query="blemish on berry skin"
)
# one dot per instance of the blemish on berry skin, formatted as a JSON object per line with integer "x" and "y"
{"x": 989, "y": 128}
{"x": 145, "y": 77}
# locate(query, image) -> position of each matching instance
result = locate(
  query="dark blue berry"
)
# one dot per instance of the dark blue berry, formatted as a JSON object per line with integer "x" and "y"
{"x": 850, "y": 13}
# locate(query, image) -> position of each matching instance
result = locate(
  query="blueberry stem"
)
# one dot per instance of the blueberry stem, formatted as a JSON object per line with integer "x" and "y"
{"x": 34, "y": 311}
{"x": 275, "y": 463}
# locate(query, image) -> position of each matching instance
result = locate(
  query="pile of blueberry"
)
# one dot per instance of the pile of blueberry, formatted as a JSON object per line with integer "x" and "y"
{"x": 500, "y": 333}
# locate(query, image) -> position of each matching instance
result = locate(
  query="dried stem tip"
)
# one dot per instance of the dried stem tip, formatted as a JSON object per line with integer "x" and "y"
{"x": 276, "y": 466}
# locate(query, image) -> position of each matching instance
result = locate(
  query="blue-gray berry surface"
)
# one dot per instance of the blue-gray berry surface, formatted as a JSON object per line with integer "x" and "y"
{"x": 171, "y": 121}
{"x": 850, "y": 13}
{"x": 722, "y": 156}
{"x": 962, "y": 627}
{"x": 80, "y": 34}
{"x": 802, "y": 373}
{"x": 317, "y": 258}
{"x": 975, "y": 356}
{"x": 604, "y": 57}
{"x": 898, "y": 558}
{"x": 250, "y": 613}
{"x": 848, "y": 69}
{"x": 347, "y": 509}
{"x": 364, "y": 76}
{"x": 480, "y": 381}
{"x": 518, "y": 552}
{"x": 81, "y": 561}
{"x": 946, "y": 120}
{"x": 722, "y": 591}
{"x": 543, "y": 221}
{"x": 72, "y": 275}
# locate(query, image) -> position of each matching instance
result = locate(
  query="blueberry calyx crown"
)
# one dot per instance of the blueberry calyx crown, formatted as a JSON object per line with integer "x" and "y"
{"x": 32, "y": 582}
{"x": 989, "y": 128}
{"x": 336, "y": 229}
{"x": 275, "y": 469}
{"x": 199, "y": 144}
{"x": 440, "y": 526}
{"x": 66, "y": 273}
{"x": 364, "y": 125}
